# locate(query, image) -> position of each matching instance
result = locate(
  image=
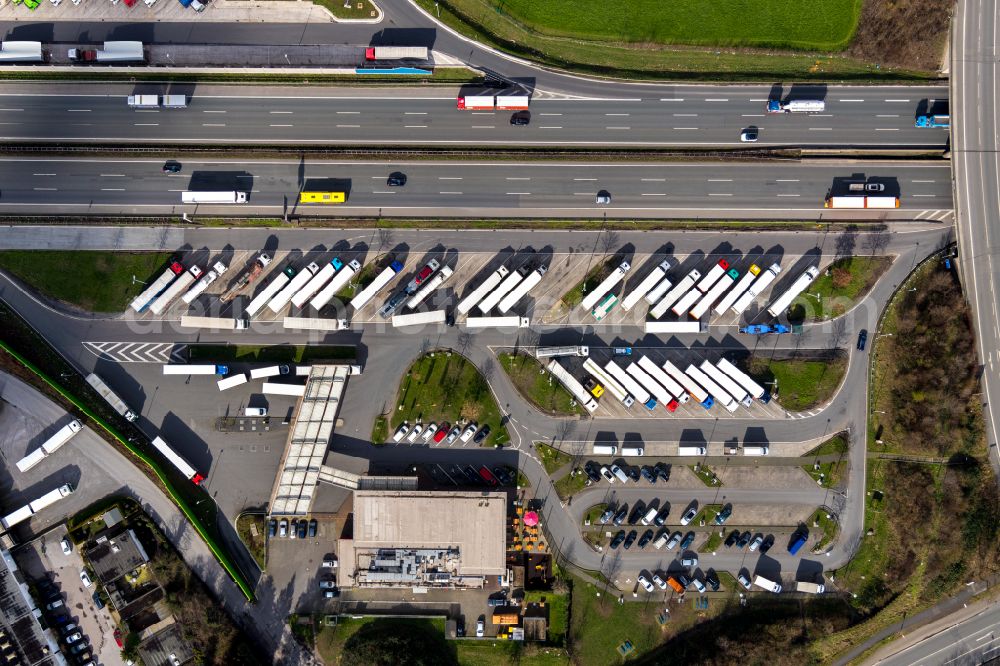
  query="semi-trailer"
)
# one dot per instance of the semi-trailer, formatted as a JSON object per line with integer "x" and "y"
{"x": 338, "y": 282}
{"x": 686, "y": 302}
{"x": 111, "y": 397}
{"x": 633, "y": 387}
{"x": 123, "y": 51}
{"x": 316, "y": 282}
{"x": 268, "y": 371}
{"x": 50, "y": 445}
{"x": 712, "y": 295}
{"x": 756, "y": 450}
{"x": 720, "y": 396}
{"x": 195, "y": 369}
{"x": 282, "y": 298}
{"x": 569, "y": 350}
{"x": 247, "y": 277}
{"x": 572, "y": 385}
{"x": 21, "y": 52}
{"x": 738, "y": 290}
{"x": 940, "y": 120}
{"x": 155, "y": 288}
{"x": 696, "y": 326}
{"x": 646, "y": 285}
{"x": 672, "y": 296}
{"x": 656, "y": 293}
{"x": 616, "y": 276}
{"x": 422, "y": 276}
{"x": 315, "y": 324}
{"x": 655, "y": 388}
{"x": 214, "y": 323}
{"x": 235, "y": 380}
{"x": 521, "y": 290}
{"x": 755, "y": 390}
{"x": 606, "y": 305}
{"x": 860, "y": 201}
{"x": 758, "y": 286}
{"x": 33, "y": 458}
{"x": 477, "y": 294}
{"x": 766, "y": 584}
{"x": 227, "y": 197}
{"x": 268, "y": 292}
{"x": 610, "y": 383}
{"x": 362, "y": 298}
{"x": 170, "y": 294}
{"x": 683, "y": 450}
{"x": 713, "y": 275}
{"x": 143, "y": 101}
{"x": 497, "y": 322}
{"x": 796, "y": 106}
{"x": 809, "y": 588}
{"x": 428, "y": 287}
{"x": 693, "y": 388}
{"x": 726, "y": 383}
{"x": 505, "y": 287}
{"x": 419, "y": 318}
{"x": 26, "y": 511}
{"x": 201, "y": 285}
{"x": 189, "y": 472}
{"x": 274, "y": 388}
{"x": 493, "y": 102}
{"x": 668, "y": 382}
{"x": 396, "y": 53}
{"x": 780, "y": 304}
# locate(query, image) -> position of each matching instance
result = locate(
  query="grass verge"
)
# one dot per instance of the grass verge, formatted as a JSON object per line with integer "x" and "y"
{"x": 252, "y": 529}
{"x": 571, "y": 483}
{"x": 711, "y": 544}
{"x": 828, "y": 473}
{"x": 800, "y": 384}
{"x": 552, "y": 458}
{"x": 444, "y": 386}
{"x": 209, "y": 353}
{"x": 443, "y": 75}
{"x": 355, "y": 9}
{"x": 92, "y": 281}
{"x": 538, "y": 386}
{"x": 707, "y": 514}
{"x": 594, "y": 513}
{"x": 845, "y": 282}
{"x": 706, "y": 475}
{"x": 593, "y": 278}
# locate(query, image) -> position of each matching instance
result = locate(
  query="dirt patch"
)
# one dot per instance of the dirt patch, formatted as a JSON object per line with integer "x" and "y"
{"x": 903, "y": 33}
{"x": 746, "y": 476}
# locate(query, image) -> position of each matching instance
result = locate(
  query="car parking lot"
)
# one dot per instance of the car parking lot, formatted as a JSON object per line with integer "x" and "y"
{"x": 296, "y": 566}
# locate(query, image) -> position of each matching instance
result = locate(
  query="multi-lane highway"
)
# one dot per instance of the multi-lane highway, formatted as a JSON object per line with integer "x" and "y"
{"x": 671, "y": 116}
{"x": 778, "y": 189}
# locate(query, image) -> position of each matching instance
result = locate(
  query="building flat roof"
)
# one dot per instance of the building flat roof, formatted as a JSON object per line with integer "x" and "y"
{"x": 473, "y": 522}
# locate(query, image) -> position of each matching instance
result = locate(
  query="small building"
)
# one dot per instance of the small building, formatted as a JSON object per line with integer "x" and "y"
{"x": 506, "y": 618}
{"x": 113, "y": 557}
{"x": 166, "y": 647}
{"x": 112, "y": 517}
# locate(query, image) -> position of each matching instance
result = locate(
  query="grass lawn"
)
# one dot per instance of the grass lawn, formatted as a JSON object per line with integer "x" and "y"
{"x": 830, "y": 472}
{"x": 246, "y": 526}
{"x": 569, "y": 484}
{"x": 552, "y": 458}
{"x": 800, "y": 384}
{"x": 558, "y": 605}
{"x": 712, "y": 544}
{"x": 271, "y": 353}
{"x": 593, "y": 278}
{"x": 707, "y": 514}
{"x": 443, "y": 386}
{"x": 357, "y": 9}
{"x": 836, "y": 445}
{"x": 93, "y": 281}
{"x": 594, "y": 513}
{"x": 827, "y": 527}
{"x": 706, "y": 474}
{"x": 505, "y": 653}
{"x": 360, "y": 281}
{"x": 538, "y": 386}
{"x": 843, "y": 284}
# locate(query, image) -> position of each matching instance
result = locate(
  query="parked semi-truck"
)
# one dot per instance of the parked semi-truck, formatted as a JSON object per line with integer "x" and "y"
{"x": 362, "y": 298}
{"x": 247, "y": 277}
{"x": 281, "y": 299}
{"x": 396, "y": 53}
{"x": 521, "y": 290}
{"x": 21, "y": 52}
{"x": 156, "y": 287}
{"x": 686, "y": 302}
{"x": 726, "y": 383}
{"x": 668, "y": 382}
{"x": 111, "y": 397}
{"x": 693, "y": 388}
{"x": 315, "y": 324}
{"x": 796, "y": 106}
{"x": 493, "y": 102}
{"x": 214, "y": 323}
{"x": 809, "y": 588}
{"x": 170, "y": 294}
{"x": 276, "y": 388}
{"x": 189, "y": 472}
{"x": 422, "y": 276}
{"x": 46, "y": 500}
{"x": 429, "y": 287}
{"x": 631, "y": 385}
{"x": 505, "y": 287}
{"x": 738, "y": 289}
{"x": 672, "y": 296}
{"x": 268, "y": 292}
{"x": 606, "y": 305}
{"x": 112, "y": 52}
{"x": 477, "y": 294}
{"x": 610, "y": 383}
{"x": 654, "y": 295}
{"x": 419, "y": 318}
{"x": 712, "y": 295}
{"x": 497, "y": 322}
{"x": 195, "y": 369}
{"x": 232, "y": 381}
{"x": 568, "y": 350}
{"x": 217, "y": 271}
{"x": 675, "y": 326}
{"x": 51, "y": 445}
{"x": 720, "y": 396}
{"x": 755, "y": 390}
{"x": 616, "y": 276}
{"x": 766, "y": 584}
{"x": 941, "y": 120}
{"x": 757, "y": 287}
{"x": 338, "y": 282}
{"x": 199, "y": 197}
{"x": 713, "y": 275}
{"x": 779, "y": 305}
{"x": 316, "y": 282}
{"x": 654, "y": 278}
{"x": 861, "y": 201}
{"x": 655, "y": 389}
{"x": 572, "y": 385}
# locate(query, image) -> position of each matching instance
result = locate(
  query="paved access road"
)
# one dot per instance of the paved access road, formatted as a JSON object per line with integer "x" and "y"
{"x": 758, "y": 190}
{"x": 974, "y": 641}
{"x": 705, "y": 116}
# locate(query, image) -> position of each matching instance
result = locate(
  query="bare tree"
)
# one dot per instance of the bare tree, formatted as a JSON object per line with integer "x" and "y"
{"x": 877, "y": 240}
{"x": 839, "y": 332}
{"x": 846, "y": 242}
{"x": 488, "y": 369}
{"x": 463, "y": 341}
{"x": 384, "y": 238}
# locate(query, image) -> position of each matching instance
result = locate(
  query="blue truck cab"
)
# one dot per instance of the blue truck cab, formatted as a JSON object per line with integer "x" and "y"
{"x": 650, "y": 404}
{"x": 798, "y": 540}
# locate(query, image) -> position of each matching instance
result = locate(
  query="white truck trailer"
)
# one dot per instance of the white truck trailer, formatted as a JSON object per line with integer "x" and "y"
{"x": 419, "y": 318}
{"x": 189, "y": 472}
{"x": 654, "y": 278}
{"x": 696, "y": 326}
{"x": 156, "y": 287}
{"x": 217, "y": 271}
{"x": 228, "y": 197}
{"x": 655, "y": 389}
{"x": 315, "y": 324}
{"x": 505, "y": 287}
{"x": 429, "y": 288}
{"x": 143, "y": 101}
{"x": 338, "y": 282}
{"x": 195, "y": 369}
{"x": 28, "y": 510}
{"x": 766, "y": 584}
{"x": 214, "y": 323}
{"x": 756, "y": 450}
{"x": 782, "y": 303}
{"x": 616, "y": 276}
{"x": 715, "y": 293}
{"x": 568, "y": 350}
{"x": 521, "y": 290}
{"x": 720, "y": 396}
{"x": 738, "y": 289}
{"x": 274, "y": 388}
{"x": 762, "y": 282}
{"x": 396, "y": 53}
{"x": 111, "y": 397}
{"x": 497, "y": 322}
{"x": 608, "y": 382}
{"x": 572, "y": 385}
{"x": 21, "y": 52}
{"x": 235, "y": 380}
{"x": 755, "y": 390}
{"x": 122, "y": 51}
{"x": 668, "y": 382}
{"x": 726, "y": 383}
{"x": 672, "y": 296}
{"x": 477, "y": 294}
{"x": 50, "y": 445}
{"x": 316, "y": 282}
{"x": 693, "y": 388}
{"x": 633, "y": 387}
{"x": 656, "y": 293}
{"x": 686, "y": 302}
{"x": 713, "y": 275}
{"x": 281, "y": 299}
{"x": 268, "y": 292}
{"x": 170, "y": 294}
{"x": 362, "y": 298}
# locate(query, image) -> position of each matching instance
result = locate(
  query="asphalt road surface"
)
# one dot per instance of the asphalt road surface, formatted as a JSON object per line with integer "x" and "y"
{"x": 707, "y": 117}
{"x": 758, "y": 190}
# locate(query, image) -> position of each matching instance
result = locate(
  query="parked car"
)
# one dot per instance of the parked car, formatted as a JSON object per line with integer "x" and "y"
{"x": 66, "y": 548}
{"x": 768, "y": 542}
{"x": 606, "y": 473}
{"x": 312, "y": 528}
{"x": 674, "y": 540}
{"x": 401, "y": 432}
{"x": 608, "y": 514}
{"x": 619, "y": 473}
{"x": 731, "y": 540}
{"x": 283, "y": 528}
{"x": 472, "y": 474}
{"x": 698, "y": 585}
{"x": 621, "y": 514}
{"x": 646, "y": 585}
{"x": 293, "y": 529}
{"x": 272, "y": 527}
{"x": 663, "y": 470}
{"x": 744, "y": 540}
{"x": 453, "y": 435}
{"x": 79, "y": 647}
{"x": 441, "y": 433}
{"x": 689, "y": 561}
{"x": 58, "y": 603}
{"x": 98, "y": 602}
{"x": 661, "y": 517}
{"x": 646, "y": 537}
{"x": 688, "y": 540}
{"x": 744, "y": 581}
{"x": 630, "y": 539}
{"x": 712, "y": 579}
{"x": 69, "y": 628}
{"x": 505, "y": 476}
{"x": 470, "y": 430}
{"x": 632, "y": 472}
{"x": 417, "y": 429}
{"x": 429, "y": 432}
{"x": 755, "y": 544}
{"x": 723, "y": 516}
{"x": 622, "y": 351}
{"x": 85, "y": 579}
{"x": 593, "y": 472}
{"x": 327, "y": 584}
{"x": 689, "y": 515}
{"x": 637, "y": 511}
{"x": 74, "y": 637}
{"x": 648, "y": 473}
{"x": 303, "y": 526}
{"x": 862, "y": 339}
{"x": 617, "y": 540}
{"x": 660, "y": 583}
{"x": 480, "y": 628}
{"x": 330, "y": 562}
{"x": 481, "y": 436}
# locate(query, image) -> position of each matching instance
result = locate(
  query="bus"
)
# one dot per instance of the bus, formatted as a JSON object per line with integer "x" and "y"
{"x": 604, "y": 307}
{"x": 321, "y": 197}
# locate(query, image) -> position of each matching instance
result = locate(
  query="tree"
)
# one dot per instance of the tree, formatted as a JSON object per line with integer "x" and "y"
{"x": 397, "y": 642}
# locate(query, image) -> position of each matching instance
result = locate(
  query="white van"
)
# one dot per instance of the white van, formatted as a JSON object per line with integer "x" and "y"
{"x": 650, "y": 515}
{"x": 617, "y": 471}
{"x": 633, "y": 451}
{"x": 255, "y": 411}
{"x": 605, "y": 449}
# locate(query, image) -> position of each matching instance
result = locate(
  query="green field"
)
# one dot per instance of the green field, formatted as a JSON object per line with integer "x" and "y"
{"x": 801, "y": 384}
{"x": 540, "y": 388}
{"x": 93, "y": 281}
{"x": 843, "y": 284}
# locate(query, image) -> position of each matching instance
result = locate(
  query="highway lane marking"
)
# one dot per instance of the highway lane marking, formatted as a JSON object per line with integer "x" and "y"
{"x": 551, "y": 127}
{"x": 820, "y": 129}
{"x": 653, "y": 180}
{"x": 414, "y": 126}
{"x": 215, "y": 111}
{"x": 720, "y": 180}
{"x": 716, "y": 99}
{"x": 518, "y": 178}
{"x": 617, "y": 114}
{"x": 671, "y": 99}
{"x": 78, "y": 110}
{"x": 685, "y": 128}
{"x": 273, "y": 125}
{"x": 519, "y": 193}
{"x": 83, "y": 124}
{"x": 787, "y": 180}
{"x": 712, "y": 194}
{"x": 294, "y": 112}
{"x": 213, "y": 124}
{"x": 759, "y": 99}
{"x": 383, "y": 192}
{"x": 922, "y": 181}
{"x": 43, "y": 174}
{"x": 482, "y": 113}
{"x": 146, "y": 124}
{"x": 112, "y": 175}
{"x": 449, "y": 192}
{"x": 45, "y": 189}
{"x": 753, "y": 115}
{"x": 449, "y": 178}
{"x": 923, "y": 195}
{"x": 618, "y": 128}
{"x": 655, "y": 194}
{"x": 789, "y": 195}
{"x": 898, "y": 100}
{"x": 886, "y": 129}
{"x": 584, "y": 179}
{"x": 550, "y": 114}
{"x": 11, "y": 109}
{"x": 887, "y": 115}
{"x": 484, "y": 127}
{"x": 353, "y": 126}
{"x": 112, "y": 189}
{"x": 685, "y": 115}
{"x": 850, "y": 100}
{"x": 583, "y": 194}
{"x": 147, "y": 111}
{"x": 405, "y": 113}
